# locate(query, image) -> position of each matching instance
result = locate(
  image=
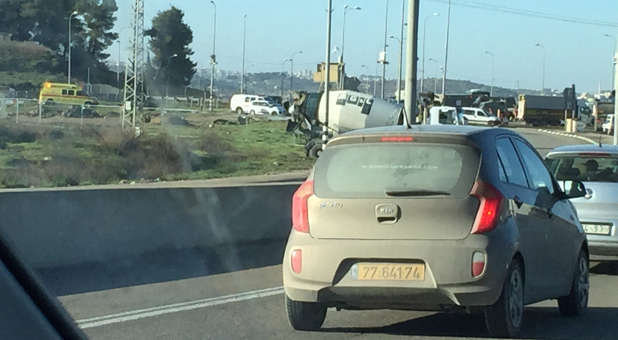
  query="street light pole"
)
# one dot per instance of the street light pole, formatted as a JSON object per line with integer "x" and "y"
{"x": 613, "y": 66}
{"x": 213, "y": 57}
{"x": 543, "y": 71}
{"x": 244, "y": 40}
{"x": 403, "y": 24}
{"x": 69, "y": 71}
{"x": 345, "y": 10}
{"x": 291, "y": 60}
{"x": 385, "y": 46}
{"x": 435, "y": 79}
{"x": 615, "y": 101}
{"x": 398, "y": 95}
{"x": 327, "y": 74}
{"x": 167, "y": 77}
{"x": 491, "y": 91}
{"x": 448, "y": 27}
{"x": 435, "y": 14}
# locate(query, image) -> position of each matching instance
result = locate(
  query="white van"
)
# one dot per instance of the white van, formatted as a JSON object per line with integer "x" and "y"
{"x": 608, "y": 125}
{"x": 241, "y": 103}
{"x": 476, "y": 116}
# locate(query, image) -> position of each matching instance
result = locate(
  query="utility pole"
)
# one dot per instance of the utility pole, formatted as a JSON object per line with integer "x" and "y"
{"x": 213, "y": 57}
{"x": 448, "y": 27}
{"x": 411, "y": 64}
{"x": 384, "y": 62}
{"x": 327, "y": 74}
{"x": 134, "y": 73}
{"x": 244, "y": 40}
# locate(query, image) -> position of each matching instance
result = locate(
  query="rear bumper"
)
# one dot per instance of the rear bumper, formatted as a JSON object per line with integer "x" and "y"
{"x": 448, "y": 282}
{"x": 601, "y": 247}
{"x": 603, "y": 251}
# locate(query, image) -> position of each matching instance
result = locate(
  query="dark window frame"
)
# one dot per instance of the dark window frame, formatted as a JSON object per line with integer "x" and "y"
{"x": 523, "y": 168}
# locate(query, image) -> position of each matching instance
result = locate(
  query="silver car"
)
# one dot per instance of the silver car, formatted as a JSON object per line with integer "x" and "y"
{"x": 597, "y": 167}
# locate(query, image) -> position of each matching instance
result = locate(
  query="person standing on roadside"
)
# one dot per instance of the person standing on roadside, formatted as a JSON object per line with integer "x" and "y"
{"x": 459, "y": 115}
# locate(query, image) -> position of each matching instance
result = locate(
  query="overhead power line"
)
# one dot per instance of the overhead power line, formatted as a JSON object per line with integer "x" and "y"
{"x": 529, "y": 13}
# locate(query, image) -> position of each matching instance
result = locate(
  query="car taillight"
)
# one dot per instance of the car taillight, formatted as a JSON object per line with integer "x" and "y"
{"x": 397, "y": 139}
{"x": 300, "y": 216}
{"x": 489, "y": 207}
{"x": 478, "y": 263}
{"x": 296, "y": 260}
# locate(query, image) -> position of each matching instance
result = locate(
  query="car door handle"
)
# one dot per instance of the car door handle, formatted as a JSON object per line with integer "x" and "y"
{"x": 518, "y": 201}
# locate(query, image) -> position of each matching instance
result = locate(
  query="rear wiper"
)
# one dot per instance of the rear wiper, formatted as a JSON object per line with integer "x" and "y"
{"x": 416, "y": 193}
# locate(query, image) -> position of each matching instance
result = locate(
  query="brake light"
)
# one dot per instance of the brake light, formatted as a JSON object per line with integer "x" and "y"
{"x": 594, "y": 154}
{"x": 300, "y": 217}
{"x": 296, "y": 260}
{"x": 489, "y": 209}
{"x": 478, "y": 263}
{"x": 397, "y": 139}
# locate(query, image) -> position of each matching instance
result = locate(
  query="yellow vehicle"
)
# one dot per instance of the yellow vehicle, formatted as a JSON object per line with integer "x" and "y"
{"x": 64, "y": 94}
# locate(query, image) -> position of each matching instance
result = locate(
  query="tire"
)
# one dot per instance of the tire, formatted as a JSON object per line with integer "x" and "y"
{"x": 239, "y": 110}
{"x": 305, "y": 316}
{"x": 576, "y": 303}
{"x": 274, "y": 113}
{"x": 252, "y": 112}
{"x": 504, "y": 318}
{"x": 315, "y": 150}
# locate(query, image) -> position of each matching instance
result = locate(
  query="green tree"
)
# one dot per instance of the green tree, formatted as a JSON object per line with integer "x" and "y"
{"x": 170, "y": 38}
{"x": 46, "y": 22}
{"x": 99, "y": 21}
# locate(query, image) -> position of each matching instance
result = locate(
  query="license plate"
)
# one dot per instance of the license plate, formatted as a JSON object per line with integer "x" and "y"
{"x": 389, "y": 271}
{"x": 597, "y": 229}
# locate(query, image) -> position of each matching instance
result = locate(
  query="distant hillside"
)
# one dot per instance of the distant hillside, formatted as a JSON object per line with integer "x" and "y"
{"x": 270, "y": 83}
{"x": 25, "y": 65}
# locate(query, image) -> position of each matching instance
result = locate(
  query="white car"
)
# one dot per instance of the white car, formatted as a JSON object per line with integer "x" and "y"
{"x": 262, "y": 107}
{"x": 476, "y": 116}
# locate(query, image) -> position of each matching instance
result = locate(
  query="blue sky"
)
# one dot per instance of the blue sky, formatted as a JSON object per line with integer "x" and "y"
{"x": 575, "y": 53}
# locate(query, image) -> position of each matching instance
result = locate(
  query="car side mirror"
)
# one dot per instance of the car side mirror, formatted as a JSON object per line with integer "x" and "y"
{"x": 573, "y": 189}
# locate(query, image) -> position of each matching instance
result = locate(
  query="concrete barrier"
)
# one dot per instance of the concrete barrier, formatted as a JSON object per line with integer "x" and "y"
{"x": 65, "y": 228}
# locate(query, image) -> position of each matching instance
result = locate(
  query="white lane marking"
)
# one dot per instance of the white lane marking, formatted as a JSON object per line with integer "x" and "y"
{"x": 586, "y": 139}
{"x": 176, "y": 307}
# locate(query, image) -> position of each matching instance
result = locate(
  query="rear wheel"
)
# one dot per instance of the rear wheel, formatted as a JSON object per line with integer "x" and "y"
{"x": 504, "y": 318}
{"x": 576, "y": 303}
{"x": 239, "y": 110}
{"x": 315, "y": 150}
{"x": 305, "y": 316}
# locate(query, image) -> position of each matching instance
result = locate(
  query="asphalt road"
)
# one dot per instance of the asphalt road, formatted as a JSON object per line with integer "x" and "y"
{"x": 248, "y": 303}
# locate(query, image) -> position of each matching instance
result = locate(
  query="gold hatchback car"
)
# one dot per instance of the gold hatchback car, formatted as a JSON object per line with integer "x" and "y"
{"x": 434, "y": 218}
